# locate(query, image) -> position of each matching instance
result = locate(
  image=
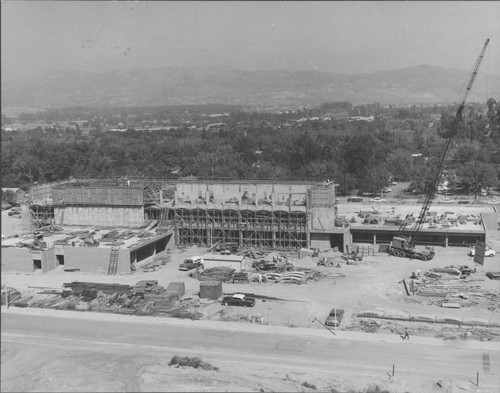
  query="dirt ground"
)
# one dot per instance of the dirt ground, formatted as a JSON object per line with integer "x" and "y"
{"x": 373, "y": 284}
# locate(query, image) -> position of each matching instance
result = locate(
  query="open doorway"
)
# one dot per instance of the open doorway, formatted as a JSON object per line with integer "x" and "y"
{"x": 337, "y": 240}
{"x": 37, "y": 264}
{"x": 60, "y": 259}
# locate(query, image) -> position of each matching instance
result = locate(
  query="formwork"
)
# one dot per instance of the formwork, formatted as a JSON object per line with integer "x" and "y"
{"x": 273, "y": 229}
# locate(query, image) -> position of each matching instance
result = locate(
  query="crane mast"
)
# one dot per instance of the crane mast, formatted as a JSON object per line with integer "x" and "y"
{"x": 411, "y": 233}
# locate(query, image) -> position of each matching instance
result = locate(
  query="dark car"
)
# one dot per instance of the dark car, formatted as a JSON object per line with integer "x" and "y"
{"x": 238, "y": 300}
{"x": 331, "y": 320}
{"x": 190, "y": 264}
{"x": 354, "y": 199}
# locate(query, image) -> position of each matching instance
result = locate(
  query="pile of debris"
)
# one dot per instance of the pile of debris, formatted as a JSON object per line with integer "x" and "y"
{"x": 145, "y": 297}
{"x": 10, "y": 294}
{"x": 220, "y": 273}
{"x": 293, "y": 277}
{"x": 452, "y": 287}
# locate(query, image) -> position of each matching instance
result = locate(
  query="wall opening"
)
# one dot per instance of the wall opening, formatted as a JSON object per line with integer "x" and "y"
{"x": 60, "y": 259}
{"x": 37, "y": 264}
{"x": 337, "y": 240}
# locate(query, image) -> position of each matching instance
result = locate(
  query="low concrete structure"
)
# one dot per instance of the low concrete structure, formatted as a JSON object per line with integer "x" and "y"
{"x": 88, "y": 251}
{"x": 216, "y": 260}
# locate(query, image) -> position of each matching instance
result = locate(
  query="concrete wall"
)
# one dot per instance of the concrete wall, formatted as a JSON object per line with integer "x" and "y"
{"x": 237, "y": 266}
{"x": 17, "y": 260}
{"x": 95, "y": 259}
{"x": 323, "y": 218}
{"x": 225, "y": 191}
{"x": 320, "y": 240}
{"x": 100, "y": 216}
{"x": 49, "y": 261}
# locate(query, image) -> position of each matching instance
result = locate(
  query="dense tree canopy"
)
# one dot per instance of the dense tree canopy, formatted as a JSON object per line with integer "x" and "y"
{"x": 401, "y": 144}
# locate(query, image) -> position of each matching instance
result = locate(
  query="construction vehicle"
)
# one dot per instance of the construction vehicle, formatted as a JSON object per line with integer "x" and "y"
{"x": 404, "y": 244}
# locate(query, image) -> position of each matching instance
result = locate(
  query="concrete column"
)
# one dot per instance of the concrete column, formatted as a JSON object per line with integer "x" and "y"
{"x": 374, "y": 239}
{"x": 446, "y": 241}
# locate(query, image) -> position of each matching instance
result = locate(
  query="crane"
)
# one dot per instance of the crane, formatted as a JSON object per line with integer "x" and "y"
{"x": 404, "y": 244}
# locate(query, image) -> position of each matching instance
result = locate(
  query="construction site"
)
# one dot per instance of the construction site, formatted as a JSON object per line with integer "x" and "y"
{"x": 117, "y": 236}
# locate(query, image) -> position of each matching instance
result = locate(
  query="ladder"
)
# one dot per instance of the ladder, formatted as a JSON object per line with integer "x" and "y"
{"x": 113, "y": 260}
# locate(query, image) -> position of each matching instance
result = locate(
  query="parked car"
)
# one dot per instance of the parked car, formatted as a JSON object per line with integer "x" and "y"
{"x": 354, "y": 199}
{"x": 386, "y": 190}
{"x": 335, "y": 317}
{"x": 377, "y": 200}
{"x": 191, "y": 263}
{"x": 487, "y": 253}
{"x": 238, "y": 299}
{"x": 445, "y": 201}
{"x": 14, "y": 211}
{"x": 493, "y": 202}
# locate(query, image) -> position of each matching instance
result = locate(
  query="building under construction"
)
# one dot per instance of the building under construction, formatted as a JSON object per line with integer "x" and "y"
{"x": 288, "y": 215}
{"x": 267, "y": 214}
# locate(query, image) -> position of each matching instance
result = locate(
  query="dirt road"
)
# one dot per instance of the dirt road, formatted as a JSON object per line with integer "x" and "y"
{"x": 100, "y": 354}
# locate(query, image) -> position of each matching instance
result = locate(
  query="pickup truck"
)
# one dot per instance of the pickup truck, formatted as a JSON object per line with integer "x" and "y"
{"x": 191, "y": 263}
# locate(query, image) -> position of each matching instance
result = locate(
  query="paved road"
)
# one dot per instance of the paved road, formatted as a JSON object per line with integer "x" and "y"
{"x": 327, "y": 353}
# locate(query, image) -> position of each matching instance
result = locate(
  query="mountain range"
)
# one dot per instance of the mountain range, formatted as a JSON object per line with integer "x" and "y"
{"x": 222, "y": 85}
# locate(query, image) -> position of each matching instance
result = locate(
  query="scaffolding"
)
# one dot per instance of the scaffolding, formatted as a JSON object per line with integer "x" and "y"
{"x": 264, "y": 228}
{"x": 40, "y": 216}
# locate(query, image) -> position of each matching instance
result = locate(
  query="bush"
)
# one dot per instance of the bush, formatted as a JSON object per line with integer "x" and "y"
{"x": 195, "y": 362}
{"x": 375, "y": 389}
{"x": 309, "y": 385}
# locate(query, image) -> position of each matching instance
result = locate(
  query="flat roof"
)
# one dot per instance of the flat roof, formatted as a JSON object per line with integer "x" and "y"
{"x": 131, "y": 238}
{"x": 223, "y": 258}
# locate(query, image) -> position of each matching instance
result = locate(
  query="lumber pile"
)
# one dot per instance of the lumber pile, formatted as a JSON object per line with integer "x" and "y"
{"x": 240, "y": 278}
{"x": 148, "y": 286}
{"x": 10, "y": 294}
{"x": 77, "y": 288}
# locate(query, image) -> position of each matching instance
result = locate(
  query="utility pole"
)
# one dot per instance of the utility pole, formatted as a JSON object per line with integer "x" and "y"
{"x": 335, "y": 308}
{"x": 5, "y": 290}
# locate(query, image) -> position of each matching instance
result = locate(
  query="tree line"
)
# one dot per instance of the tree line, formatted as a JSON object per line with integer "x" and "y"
{"x": 357, "y": 155}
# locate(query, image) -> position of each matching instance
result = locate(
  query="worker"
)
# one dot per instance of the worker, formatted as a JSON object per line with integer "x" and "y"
{"x": 406, "y": 335}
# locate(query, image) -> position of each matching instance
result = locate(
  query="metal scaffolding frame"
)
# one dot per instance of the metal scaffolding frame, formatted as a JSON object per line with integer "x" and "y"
{"x": 272, "y": 229}
{"x": 40, "y": 216}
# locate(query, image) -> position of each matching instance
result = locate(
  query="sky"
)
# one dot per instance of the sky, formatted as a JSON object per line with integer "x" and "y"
{"x": 38, "y": 37}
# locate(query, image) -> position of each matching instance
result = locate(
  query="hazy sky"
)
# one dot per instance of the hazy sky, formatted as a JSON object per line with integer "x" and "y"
{"x": 345, "y": 37}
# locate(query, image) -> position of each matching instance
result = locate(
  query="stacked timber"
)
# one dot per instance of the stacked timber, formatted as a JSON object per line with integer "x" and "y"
{"x": 163, "y": 302}
{"x": 148, "y": 286}
{"x": 240, "y": 278}
{"x": 92, "y": 288}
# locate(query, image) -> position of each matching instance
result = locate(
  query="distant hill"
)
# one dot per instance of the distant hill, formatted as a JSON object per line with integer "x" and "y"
{"x": 197, "y": 85}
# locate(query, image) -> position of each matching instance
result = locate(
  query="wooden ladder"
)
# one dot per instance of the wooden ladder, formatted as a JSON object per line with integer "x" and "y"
{"x": 113, "y": 260}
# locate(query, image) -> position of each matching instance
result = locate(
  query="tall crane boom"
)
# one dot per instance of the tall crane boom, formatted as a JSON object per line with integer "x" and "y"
{"x": 411, "y": 233}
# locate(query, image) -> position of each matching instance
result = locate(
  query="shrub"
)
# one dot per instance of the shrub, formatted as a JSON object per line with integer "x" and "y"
{"x": 309, "y": 385}
{"x": 194, "y": 362}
